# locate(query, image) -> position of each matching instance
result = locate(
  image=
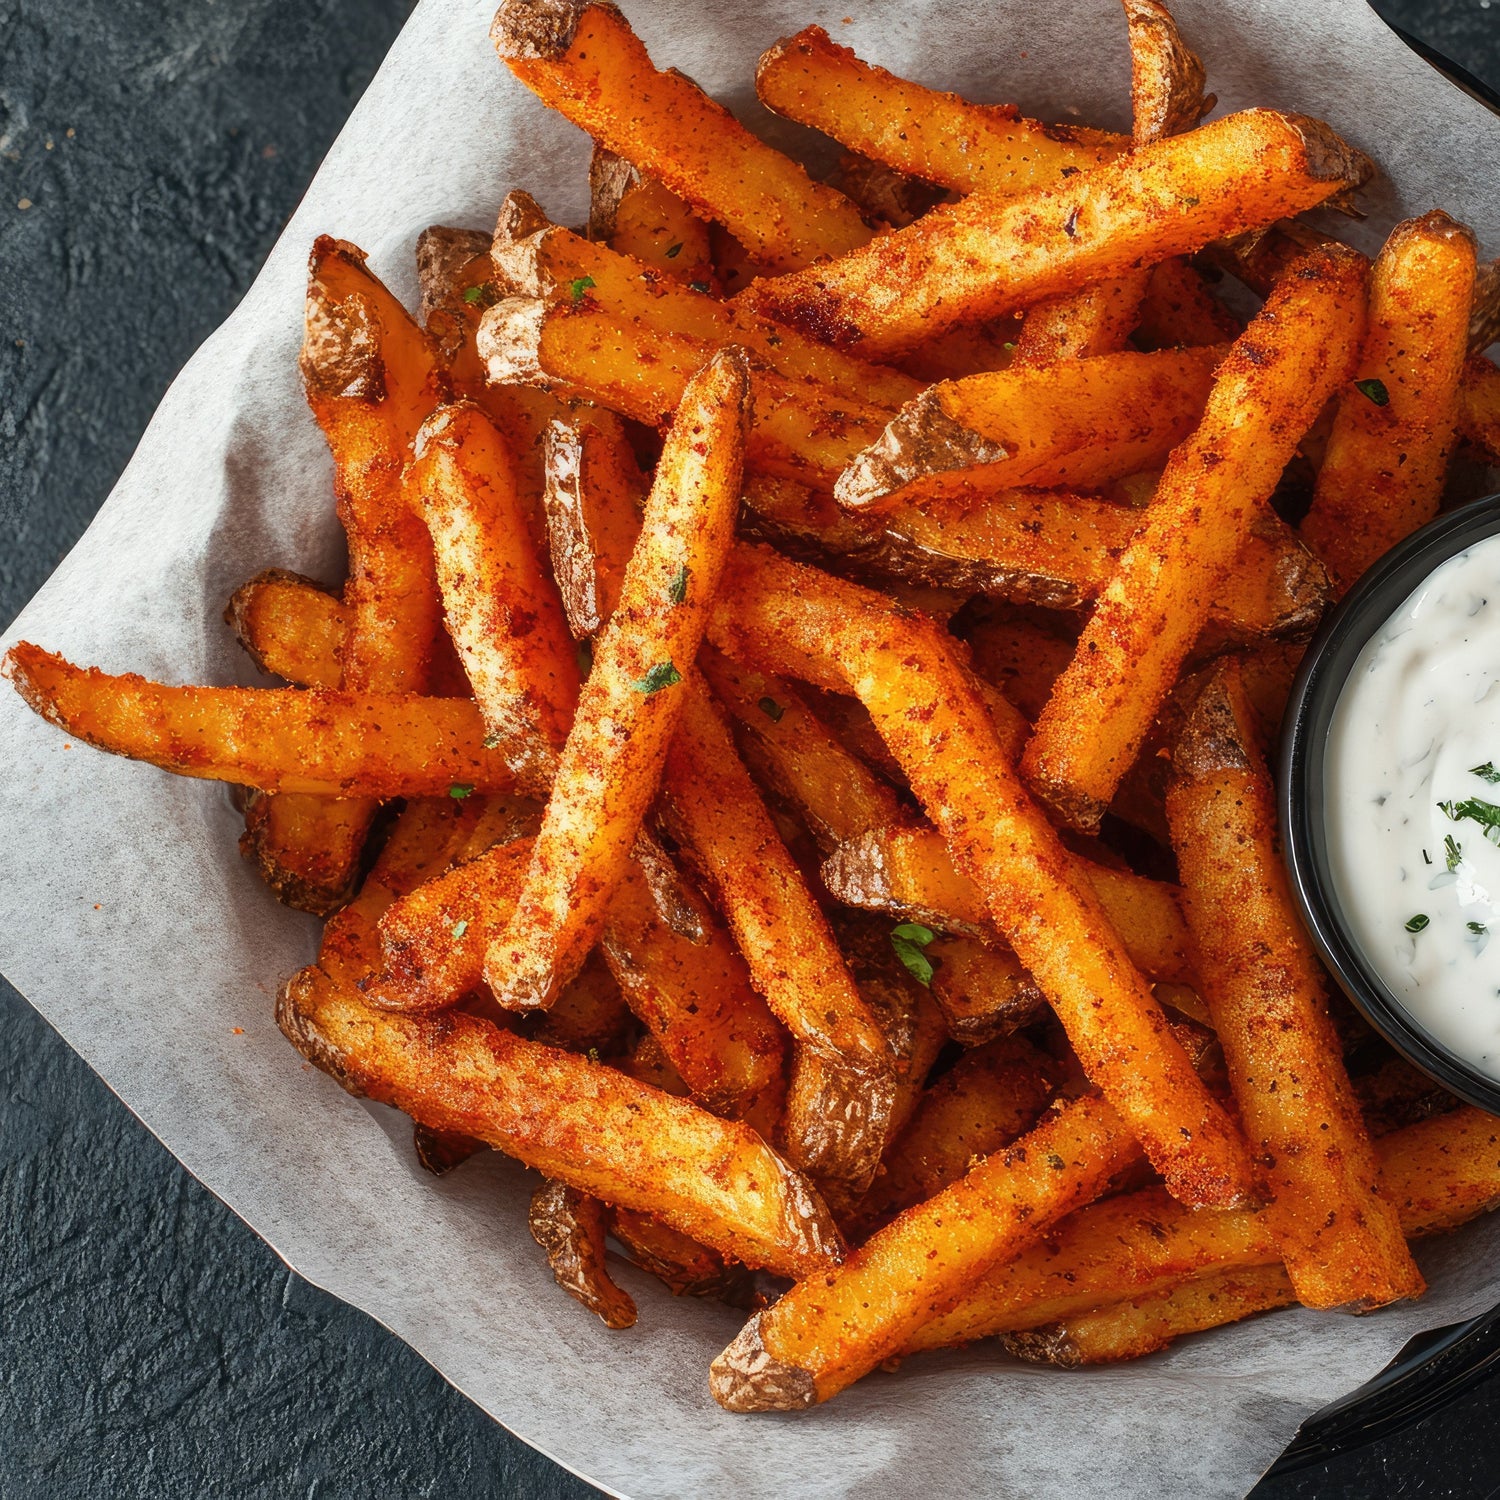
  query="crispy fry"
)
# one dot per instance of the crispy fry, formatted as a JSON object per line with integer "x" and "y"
{"x": 800, "y": 432}
{"x": 307, "y": 849}
{"x": 500, "y": 606}
{"x": 982, "y": 989}
{"x": 582, "y": 58}
{"x": 1341, "y": 1241}
{"x": 1078, "y": 422}
{"x": 570, "y": 1228}
{"x": 1479, "y": 407}
{"x": 1022, "y": 656}
{"x": 986, "y": 256}
{"x": 1266, "y": 395}
{"x": 630, "y": 703}
{"x": 1166, "y": 75}
{"x": 833, "y": 1328}
{"x": 330, "y": 744}
{"x": 1387, "y": 457}
{"x": 1178, "y": 312}
{"x": 884, "y": 195}
{"x": 291, "y": 626}
{"x": 1085, "y": 324}
{"x": 558, "y": 266}
{"x": 642, "y": 217}
{"x": 688, "y": 1268}
{"x": 590, "y": 1013}
{"x": 784, "y": 616}
{"x": 937, "y": 137}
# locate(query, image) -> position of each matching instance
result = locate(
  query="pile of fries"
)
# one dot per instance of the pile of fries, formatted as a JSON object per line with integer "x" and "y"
{"x": 788, "y": 760}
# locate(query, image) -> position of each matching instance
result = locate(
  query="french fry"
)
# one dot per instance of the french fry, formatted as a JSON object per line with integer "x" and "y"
{"x": 1387, "y": 456}
{"x": 291, "y": 627}
{"x": 306, "y": 848}
{"x": 934, "y": 136}
{"x": 842, "y": 1053}
{"x": 687, "y": 1268}
{"x": 1341, "y": 1241}
{"x": 982, "y": 989}
{"x": 323, "y": 742}
{"x": 570, "y": 1228}
{"x": 1266, "y": 394}
{"x": 590, "y": 1013}
{"x": 988, "y": 1098}
{"x": 986, "y": 256}
{"x": 642, "y": 217}
{"x": 907, "y": 870}
{"x": 834, "y": 1327}
{"x": 1178, "y": 312}
{"x": 1085, "y": 324}
{"x": 582, "y": 58}
{"x": 883, "y": 195}
{"x": 784, "y": 616}
{"x": 440, "y": 1151}
{"x": 1080, "y": 422}
{"x": 630, "y": 704}
{"x": 558, "y": 266}
{"x": 1020, "y": 655}
{"x": 501, "y": 608}
{"x": 1479, "y": 407}
{"x": 799, "y": 432}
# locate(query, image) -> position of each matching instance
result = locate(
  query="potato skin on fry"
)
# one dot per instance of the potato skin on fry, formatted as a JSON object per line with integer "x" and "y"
{"x": 570, "y": 1228}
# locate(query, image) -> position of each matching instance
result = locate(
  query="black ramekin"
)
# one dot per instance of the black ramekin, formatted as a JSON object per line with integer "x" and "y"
{"x": 1304, "y": 742}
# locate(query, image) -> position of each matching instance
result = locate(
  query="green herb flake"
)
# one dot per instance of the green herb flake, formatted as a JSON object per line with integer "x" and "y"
{"x": 908, "y": 940}
{"x": 493, "y": 740}
{"x": 1418, "y": 922}
{"x": 593, "y": 1054}
{"x": 1375, "y": 390}
{"x": 482, "y": 295}
{"x": 459, "y": 928}
{"x": 1486, "y": 772}
{"x": 1476, "y": 810}
{"x": 1453, "y": 852}
{"x": 1009, "y": 347}
{"x": 771, "y": 709}
{"x": 458, "y": 791}
{"x": 673, "y": 251}
{"x": 677, "y": 588}
{"x": 1476, "y": 927}
{"x": 698, "y": 286}
{"x": 662, "y": 675}
{"x": 579, "y": 286}
{"x": 1189, "y": 201}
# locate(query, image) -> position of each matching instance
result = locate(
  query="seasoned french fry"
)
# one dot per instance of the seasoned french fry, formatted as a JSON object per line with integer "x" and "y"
{"x": 570, "y": 1228}
{"x": 291, "y": 627}
{"x": 987, "y": 256}
{"x": 306, "y": 848}
{"x": 1166, "y": 76}
{"x": 982, "y": 989}
{"x": 1086, "y": 324}
{"x": 642, "y": 217}
{"x": 907, "y": 871}
{"x": 934, "y": 136}
{"x": 785, "y": 616}
{"x": 630, "y": 703}
{"x": 327, "y": 743}
{"x": 500, "y": 606}
{"x": 831, "y": 1329}
{"x": 558, "y": 266}
{"x": 582, "y": 58}
{"x": 688, "y": 1268}
{"x": 1020, "y": 655}
{"x": 1079, "y": 422}
{"x": 1387, "y": 457}
{"x": 1341, "y": 1241}
{"x": 590, "y": 1013}
{"x": 883, "y": 195}
{"x": 1178, "y": 312}
{"x": 793, "y": 958}
{"x": 1479, "y": 407}
{"x": 800, "y": 432}
{"x": 1266, "y": 394}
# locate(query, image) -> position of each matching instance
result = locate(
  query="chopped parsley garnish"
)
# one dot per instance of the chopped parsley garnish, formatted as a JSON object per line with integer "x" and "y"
{"x": 771, "y": 709}
{"x": 1476, "y": 927}
{"x": 1009, "y": 347}
{"x": 673, "y": 251}
{"x": 1476, "y": 810}
{"x": 482, "y": 295}
{"x": 1418, "y": 922}
{"x": 698, "y": 286}
{"x": 1452, "y": 852}
{"x": 593, "y": 1054}
{"x": 459, "y": 790}
{"x": 662, "y": 675}
{"x": 579, "y": 286}
{"x": 677, "y": 588}
{"x": 1486, "y": 772}
{"x": 460, "y": 927}
{"x": 1375, "y": 390}
{"x": 909, "y": 939}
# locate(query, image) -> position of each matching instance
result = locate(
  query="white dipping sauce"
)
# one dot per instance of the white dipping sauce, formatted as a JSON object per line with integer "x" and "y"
{"x": 1412, "y": 785}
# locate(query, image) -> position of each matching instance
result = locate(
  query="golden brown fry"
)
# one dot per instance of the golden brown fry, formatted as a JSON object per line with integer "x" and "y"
{"x": 982, "y": 989}
{"x": 291, "y": 626}
{"x": 833, "y": 1328}
{"x": 907, "y": 870}
{"x": 642, "y": 217}
{"x": 1022, "y": 656}
{"x": 1479, "y": 407}
{"x": 1166, "y": 75}
{"x": 987, "y": 256}
{"x": 884, "y": 195}
{"x": 579, "y": 1121}
{"x": 558, "y": 266}
{"x": 688, "y": 1268}
{"x": 799, "y": 432}
{"x": 1265, "y": 396}
{"x": 988, "y": 1098}
{"x": 1081, "y": 422}
{"x": 785, "y": 617}
{"x": 330, "y": 744}
{"x": 794, "y": 961}
{"x": 1341, "y": 1241}
{"x": 590, "y": 1013}
{"x": 1094, "y": 321}
{"x": 630, "y": 704}
{"x": 934, "y": 136}
{"x": 570, "y": 1227}
{"x": 502, "y": 610}
{"x": 582, "y": 58}
{"x": 1384, "y": 468}
{"x": 1178, "y": 312}
{"x": 307, "y": 849}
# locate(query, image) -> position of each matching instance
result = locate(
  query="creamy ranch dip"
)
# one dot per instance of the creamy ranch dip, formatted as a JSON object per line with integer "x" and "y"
{"x": 1412, "y": 790}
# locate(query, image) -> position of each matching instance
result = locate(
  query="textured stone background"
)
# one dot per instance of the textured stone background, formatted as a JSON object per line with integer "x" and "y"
{"x": 150, "y": 1345}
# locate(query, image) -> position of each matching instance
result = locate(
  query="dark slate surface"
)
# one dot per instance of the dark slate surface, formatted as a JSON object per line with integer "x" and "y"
{"x": 149, "y": 1343}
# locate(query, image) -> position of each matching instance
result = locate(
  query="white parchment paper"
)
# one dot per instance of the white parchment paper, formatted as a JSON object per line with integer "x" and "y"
{"x": 128, "y": 919}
